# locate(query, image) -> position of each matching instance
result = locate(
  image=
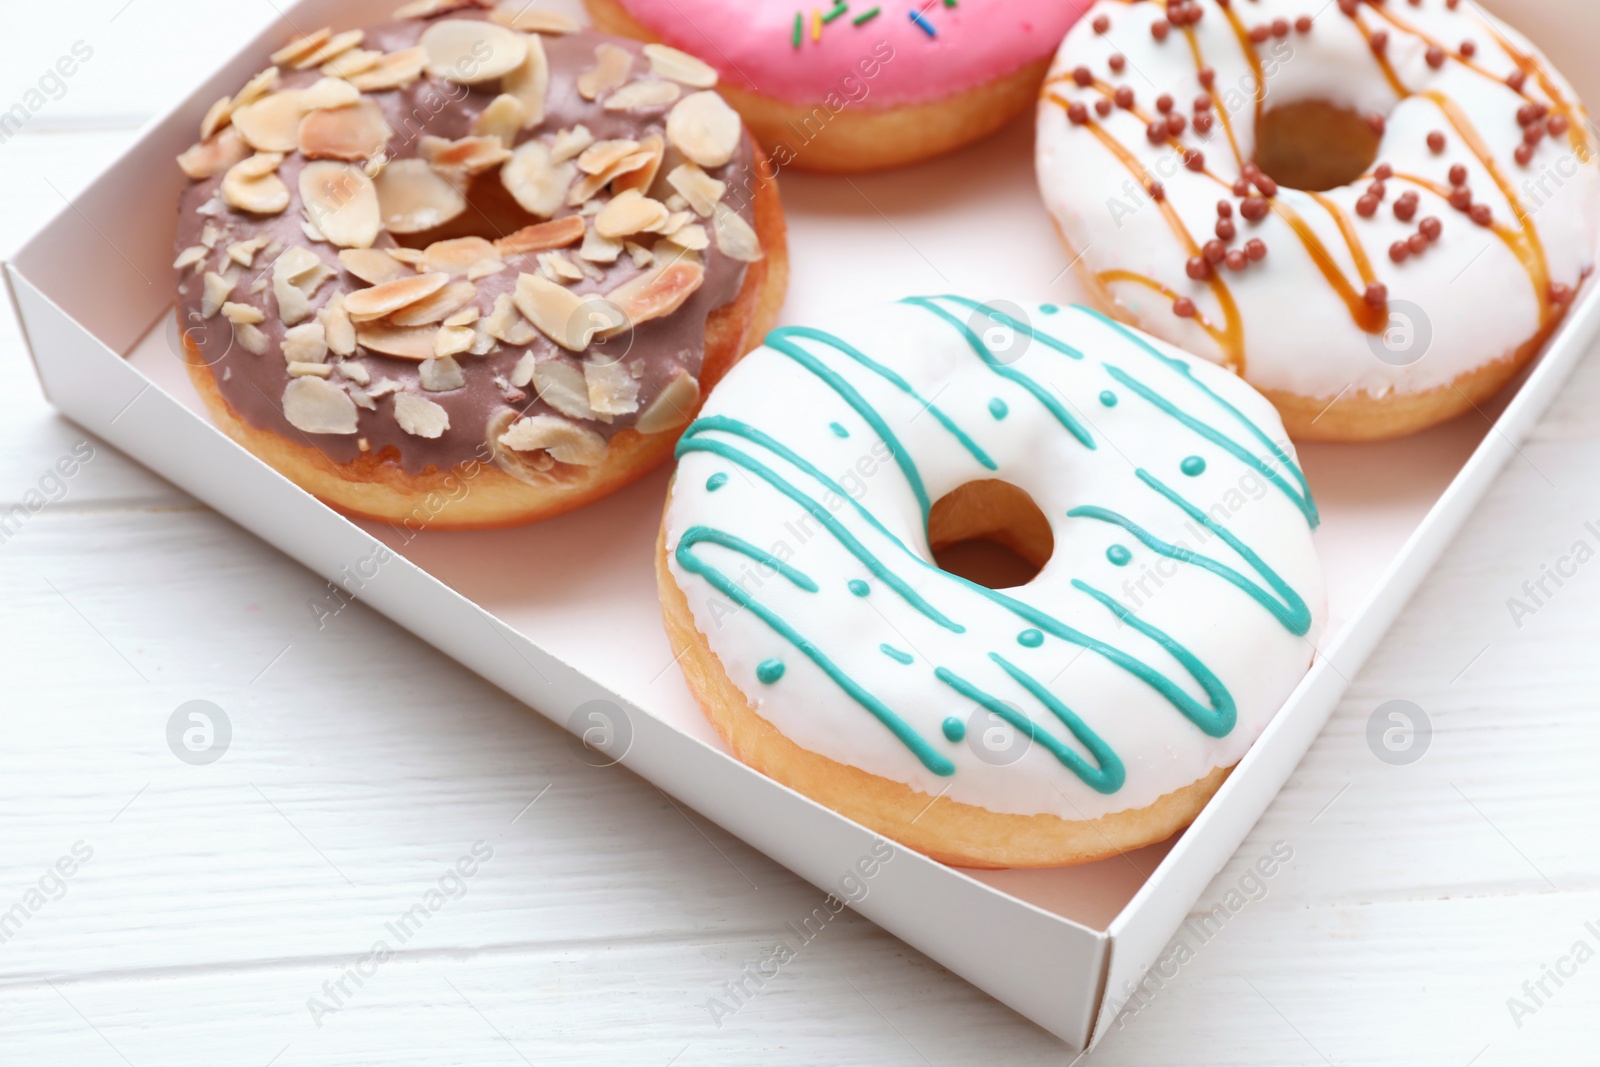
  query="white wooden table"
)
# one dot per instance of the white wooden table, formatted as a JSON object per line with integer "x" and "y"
{"x": 217, "y": 902}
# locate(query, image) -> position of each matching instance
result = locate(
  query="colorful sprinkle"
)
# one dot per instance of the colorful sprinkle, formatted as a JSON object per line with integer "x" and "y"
{"x": 922, "y": 24}
{"x": 1193, "y": 466}
{"x": 799, "y": 27}
{"x": 895, "y": 654}
{"x": 1108, "y": 399}
{"x": 839, "y": 8}
{"x": 1119, "y": 555}
{"x": 838, "y": 430}
{"x": 816, "y": 25}
{"x": 858, "y": 587}
{"x": 865, "y": 17}
{"x": 1049, "y": 309}
{"x": 770, "y": 671}
{"x": 716, "y": 481}
{"x": 954, "y": 729}
{"x": 1030, "y": 638}
{"x": 998, "y": 409}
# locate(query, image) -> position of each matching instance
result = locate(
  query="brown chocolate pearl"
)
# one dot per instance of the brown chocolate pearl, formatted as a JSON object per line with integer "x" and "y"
{"x": 1214, "y": 251}
{"x": 1383, "y": 172}
{"x": 1202, "y": 104}
{"x": 1481, "y": 214}
{"x": 1118, "y": 61}
{"x": 1156, "y": 132}
{"x": 1527, "y": 114}
{"x": 1241, "y": 187}
{"x": 1458, "y": 174}
{"x": 1399, "y": 251}
{"x": 1077, "y": 113}
{"x": 1417, "y": 243}
{"x": 1461, "y": 198}
{"x": 1255, "y": 208}
{"x": 1378, "y": 189}
{"x": 1159, "y": 29}
{"x": 1176, "y": 123}
{"x": 1259, "y": 34}
{"x": 1405, "y": 209}
{"x": 1303, "y": 24}
{"x": 1164, "y": 103}
{"x": 1237, "y": 260}
{"x": 1202, "y": 122}
{"x": 1267, "y": 186}
{"x": 1158, "y": 191}
{"x": 1198, "y": 268}
{"x": 1533, "y": 134}
{"x": 1377, "y": 123}
{"x": 1207, "y": 76}
{"x": 1436, "y": 142}
{"x": 1224, "y": 209}
{"x": 1183, "y": 307}
{"x": 1124, "y": 97}
{"x": 1558, "y": 125}
{"x": 1523, "y": 154}
{"x": 1348, "y": 8}
{"x": 1101, "y": 24}
{"x": 1102, "y": 107}
{"x": 1377, "y": 294}
{"x": 1226, "y": 230}
{"x": 1083, "y": 76}
{"x": 1256, "y": 249}
{"x": 1379, "y": 40}
{"x": 1280, "y": 27}
{"x": 1430, "y": 228}
{"x": 1194, "y": 160}
{"x": 1367, "y": 206}
{"x": 1468, "y": 49}
{"x": 1435, "y": 56}
{"x": 1560, "y": 293}
{"x": 1517, "y": 79}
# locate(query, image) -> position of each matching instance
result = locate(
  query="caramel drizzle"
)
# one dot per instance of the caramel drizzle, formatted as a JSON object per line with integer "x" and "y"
{"x": 1217, "y": 104}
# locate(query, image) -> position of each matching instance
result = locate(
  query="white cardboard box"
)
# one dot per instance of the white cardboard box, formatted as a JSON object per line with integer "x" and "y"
{"x": 561, "y": 629}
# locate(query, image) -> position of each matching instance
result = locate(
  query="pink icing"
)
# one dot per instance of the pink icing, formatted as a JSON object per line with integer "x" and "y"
{"x": 750, "y": 42}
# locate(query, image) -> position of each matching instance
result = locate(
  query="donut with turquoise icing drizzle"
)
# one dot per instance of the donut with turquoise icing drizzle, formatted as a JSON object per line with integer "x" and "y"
{"x": 1375, "y": 212}
{"x": 1092, "y": 709}
{"x": 852, "y": 85}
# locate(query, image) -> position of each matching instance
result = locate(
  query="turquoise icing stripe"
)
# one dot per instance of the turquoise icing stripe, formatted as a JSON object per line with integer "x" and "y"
{"x": 696, "y": 534}
{"x": 1291, "y": 611}
{"x": 925, "y": 752}
{"x": 1040, "y": 393}
{"x": 692, "y": 442}
{"x": 1043, "y": 337}
{"x": 895, "y": 654}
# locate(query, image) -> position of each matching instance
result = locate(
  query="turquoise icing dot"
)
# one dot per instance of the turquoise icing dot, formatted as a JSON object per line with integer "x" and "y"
{"x": 1030, "y": 639}
{"x": 770, "y": 671}
{"x": 1108, "y": 398}
{"x": 716, "y": 481}
{"x": 838, "y": 430}
{"x": 954, "y": 728}
{"x": 1119, "y": 555}
{"x": 859, "y": 588}
{"x": 1049, "y": 309}
{"x": 895, "y": 654}
{"x": 1193, "y": 466}
{"x": 998, "y": 408}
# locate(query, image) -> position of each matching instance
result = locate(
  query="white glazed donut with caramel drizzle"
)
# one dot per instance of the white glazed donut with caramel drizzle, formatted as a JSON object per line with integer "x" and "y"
{"x": 1434, "y": 212}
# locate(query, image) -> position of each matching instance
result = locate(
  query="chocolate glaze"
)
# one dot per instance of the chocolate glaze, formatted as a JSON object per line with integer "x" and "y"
{"x": 253, "y": 385}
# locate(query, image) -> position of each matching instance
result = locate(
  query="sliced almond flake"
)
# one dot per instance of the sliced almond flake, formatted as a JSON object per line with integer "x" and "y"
{"x": 356, "y": 61}
{"x": 301, "y": 47}
{"x": 314, "y": 235}
{"x": 611, "y": 67}
{"x": 362, "y": 401}
{"x": 676, "y": 202}
{"x": 272, "y": 124}
{"x": 441, "y": 374}
{"x": 342, "y": 202}
{"x": 313, "y": 405}
{"x": 681, "y": 67}
{"x": 217, "y": 116}
{"x": 373, "y": 265}
{"x": 601, "y": 155}
{"x": 612, "y": 390}
{"x": 736, "y": 238}
{"x": 189, "y": 257}
{"x": 396, "y": 70}
{"x": 419, "y": 416}
{"x": 422, "y": 9}
{"x": 455, "y": 257}
{"x": 302, "y": 370}
{"x": 470, "y": 52}
{"x": 530, "y": 82}
{"x": 658, "y": 292}
{"x": 459, "y": 160}
{"x": 251, "y": 338}
{"x": 674, "y": 222}
{"x": 411, "y": 257}
{"x": 639, "y": 171}
{"x": 366, "y": 305}
{"x": 217, "y": 291}
{"x": 353, "y": 133}
{"x": 452, "y": 341}
{"x": 590, "y": 271}
{"x": 692, "y": 236}
{"x": 557, "y": 312}
{"x": 536, "y": 183}
{"x": 244, "y": 252}
{"x": 704, "y": 128}
{"x": 356, "y": 372}
{"x": 329, "y": 93}
{"x": 565, "y": 441}
{"x": 414, "y": 198}
{"x": 482, "y": 342}
{"x": 643, "y": 95}
{"x": 484, "y": 268}
{"x": 590, "y": 208}
{"x": 642, "y": 257}
{"x": 260, "y": 284}
{"x": 558, "y": 268}
{"x": 570, "y": 143}
{"x": 674, "y": 406}
{"x": 700, "y": 189}
{"x": 502, "y": 119}
{"x": 336, "y": 46}
{"x": 628, "y": 213}
{"x": 598, "y": 249}
{"x": 243, "y": 314}
{"x": 505, "y": 323}
{"x": 522, "y": 373}
{"x": 465, "y": 317}
{"x": 402, "y": 342}
{"x": 252, "y": 185}
{"x": 522, "y": 15}
{"x": 436, "y": 308}
{"x": 337, "y": 326}
{"x": 210, "y": 234}
{"x": 384, "y": 388}
{"x": 613, "y": 175}
{"x": 306, "y": 343}
{"x": 561, "y": 385}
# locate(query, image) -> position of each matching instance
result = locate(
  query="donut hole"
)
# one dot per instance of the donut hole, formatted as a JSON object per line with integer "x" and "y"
{"x": 990, "y": 533}
{"x": 1314, "y": 145}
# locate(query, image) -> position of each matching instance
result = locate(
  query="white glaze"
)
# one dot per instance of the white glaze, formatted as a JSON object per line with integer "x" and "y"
{"x": 1255, "y": 656}
{"x": 1472, "y": 292}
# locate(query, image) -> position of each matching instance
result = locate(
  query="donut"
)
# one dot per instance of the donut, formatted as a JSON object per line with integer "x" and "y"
{"x": 844, "y": 87}
{"x": 471, "y": 268}
{"x": 1374, "y": 212}
{"x": 1088, "y": 705}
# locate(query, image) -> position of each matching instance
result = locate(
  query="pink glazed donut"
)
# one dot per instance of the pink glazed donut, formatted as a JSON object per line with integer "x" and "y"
{"x": 830, "y": 85}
